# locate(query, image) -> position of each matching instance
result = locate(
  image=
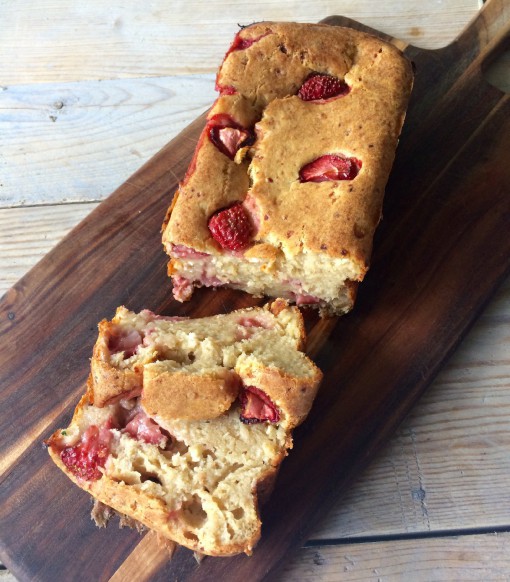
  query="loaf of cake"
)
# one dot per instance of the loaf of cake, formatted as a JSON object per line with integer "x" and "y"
{"x": 185, "y": 421}
{"x": 285, "y": 189}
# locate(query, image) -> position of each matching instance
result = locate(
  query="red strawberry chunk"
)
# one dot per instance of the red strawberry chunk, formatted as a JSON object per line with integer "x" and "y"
{"x": 257, "y": 406}
{"x": 182, "y": 288}
{"x": 254, "y": 322}
{"x": 126, "y": 341}
{"x": 227, "y": 135}
{"x": 320, "y": 87}
{"x": 240, "y": 44}
{"x": 231, "y": 227}
{"x": 141, "y": 427}
{"x": 228, "y": 139}
{"x": 304, "y": 299}
{"x": 184, "y": 252}
{"x": 225, "y": 89}
{"x": 85, "y": 458}
{"x": 330, "y": 167}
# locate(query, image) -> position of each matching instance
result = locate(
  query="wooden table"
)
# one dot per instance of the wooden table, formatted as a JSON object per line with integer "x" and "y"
{"x": 89, "y": 91}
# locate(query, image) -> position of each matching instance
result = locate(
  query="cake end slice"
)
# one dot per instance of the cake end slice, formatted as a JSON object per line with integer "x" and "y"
{"x": 185, "y": 425}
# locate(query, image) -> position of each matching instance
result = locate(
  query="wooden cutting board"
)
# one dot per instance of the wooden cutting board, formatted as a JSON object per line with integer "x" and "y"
{"x": 441, "y": 251}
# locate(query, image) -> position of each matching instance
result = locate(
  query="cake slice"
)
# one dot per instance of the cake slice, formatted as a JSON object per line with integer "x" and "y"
{"x": 284, "y": 201}
{"x": 186, "y": 421}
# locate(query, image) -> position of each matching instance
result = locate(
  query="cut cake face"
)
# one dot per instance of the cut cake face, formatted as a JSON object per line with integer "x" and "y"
{"x": 285, "y": 189}
{"x": 186, "y": 421}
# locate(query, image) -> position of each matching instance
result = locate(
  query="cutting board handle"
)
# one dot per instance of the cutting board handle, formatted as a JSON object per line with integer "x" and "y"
{"x": 488, "y": 34}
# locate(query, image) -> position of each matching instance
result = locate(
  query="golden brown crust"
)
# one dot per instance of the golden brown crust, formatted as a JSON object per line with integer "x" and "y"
{"x": 293, "y": 396}
{"x": 203, "y": 192}
{"x": 265, "y": 487}
{"x": 276, "y": 64}
{"x": 56, "y": 439}
{"x": 171, "y": 395}
{"x": 335, "y": 219}
{"x": 109, "y": 383}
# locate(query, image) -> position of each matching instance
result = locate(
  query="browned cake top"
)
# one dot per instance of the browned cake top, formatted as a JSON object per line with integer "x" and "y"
{"x": 261, "y": 77}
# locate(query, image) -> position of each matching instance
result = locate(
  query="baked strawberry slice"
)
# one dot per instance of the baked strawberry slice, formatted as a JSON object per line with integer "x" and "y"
{"x": 232, "y": 227}
{"x": 238, "y": 44}
{"x": 227, "y": 135}
{"x": 85, "y": 458}
{"x": 257, "y": 406}
{"x": 329, "y": 168}
{"x": 241, "y": 44}
{"x": 322, "y": 87}
{"x": 225, "y": 89}
{"x": 144, "y": 428}
{"x": 126, "y": 342}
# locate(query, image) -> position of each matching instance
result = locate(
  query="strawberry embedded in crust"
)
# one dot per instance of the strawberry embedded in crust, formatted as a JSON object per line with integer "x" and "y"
{"x": 85, "y": 458}
{"x": 321, "y": 87}
{"x": 241, "y": 44}
{"x": 238, "y": 44}
{"x": 225, "y": 89}
{"x": 227, "y": 135}
{"x": 256, "y": 406}
{"x": 231, "y": 227}
{"x": 329, "y": 168}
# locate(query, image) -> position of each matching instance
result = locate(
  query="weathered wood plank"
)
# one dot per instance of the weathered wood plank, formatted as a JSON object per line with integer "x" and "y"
{"x": 55, "y": 42}
{"x": 79, "y": 141}
{"x": 469, "y": 557}
{"x": 27, "y": 234}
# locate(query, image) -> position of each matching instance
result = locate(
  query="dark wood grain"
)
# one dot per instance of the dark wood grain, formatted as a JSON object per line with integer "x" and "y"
{"x": 441, "y": 251}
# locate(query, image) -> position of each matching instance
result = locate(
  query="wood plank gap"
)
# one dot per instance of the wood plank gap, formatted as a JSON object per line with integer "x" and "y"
{"x": 419, "y": 535}
{"x": 51, "y": 203}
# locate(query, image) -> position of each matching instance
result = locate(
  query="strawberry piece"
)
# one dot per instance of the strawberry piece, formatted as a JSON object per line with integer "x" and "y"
{"x": 85, "y": 458}
{"x": 228, "y": 139}
{"x": 231, "y": 227}
{"x": 238, "y": 44}
{"x": 141, "y": 427}
{"x": 227, "y": 135}
{"x": 225, "y": 89}
{"x": 254, "y": 322}
{"x": 184, "y": 252}
{"x": 320, "y": 87}
{"x": 241, "y": 44}
{"x": 257, "y": 406}
{"x": 330, "y": 167}
{"x": 304, "y": 299}
{"x": 182, "y": 288}
{"x": 127, "y": 342}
